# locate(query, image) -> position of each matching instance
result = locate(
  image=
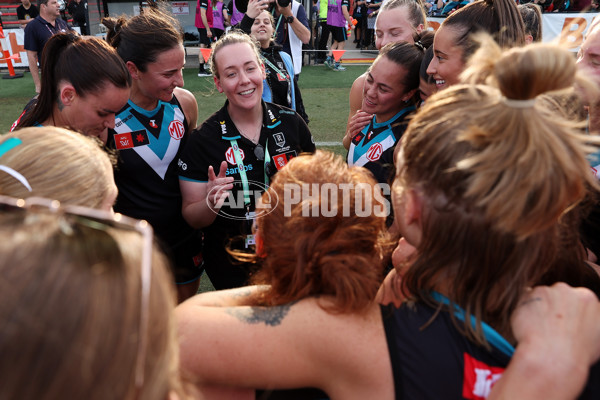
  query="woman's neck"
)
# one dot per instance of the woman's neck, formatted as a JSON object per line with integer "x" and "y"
{"x": 141, "y": 100}
{"x": 381, "y": 118}
{"x": 248, "y": 123}
{"x": 57, "y": 118}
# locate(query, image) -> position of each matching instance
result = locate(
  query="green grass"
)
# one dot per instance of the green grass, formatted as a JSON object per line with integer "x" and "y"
{"x": 325, "y": 94}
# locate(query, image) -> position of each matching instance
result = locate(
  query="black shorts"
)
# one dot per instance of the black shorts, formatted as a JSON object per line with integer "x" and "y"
{"x": 186, "y": 258}
{"x": 217, "y": 33}
{"x": 338, "y": 33}
{"x": 204, "y": 39}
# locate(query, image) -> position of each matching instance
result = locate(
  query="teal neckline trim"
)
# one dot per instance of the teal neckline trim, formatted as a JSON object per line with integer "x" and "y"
{"x": 8, "y": 145}
{"x": 143, "y": 111}
{"x": 274, "y": 125}
{"x": 493, "y": 337}
{"x": 390, "y": 121}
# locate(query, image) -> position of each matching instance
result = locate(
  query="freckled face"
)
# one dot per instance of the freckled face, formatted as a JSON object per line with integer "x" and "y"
{"x": 239, "y": 75}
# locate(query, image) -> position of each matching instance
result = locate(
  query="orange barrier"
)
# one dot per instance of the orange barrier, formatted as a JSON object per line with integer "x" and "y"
{"x": 8, "y": 58}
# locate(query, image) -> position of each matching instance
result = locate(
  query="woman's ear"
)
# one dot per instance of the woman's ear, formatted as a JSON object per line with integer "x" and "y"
{"x": 409, "y": 95}
{"x": 218, "y": 83}
{"x": 412, "y": 214}
{"x": 133, "y": 70}
{"x": 67, "y": 94}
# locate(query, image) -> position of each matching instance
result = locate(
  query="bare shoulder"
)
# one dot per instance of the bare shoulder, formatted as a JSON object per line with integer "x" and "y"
{"x": 356, "y": 94}
{"x": 188, "y": 104}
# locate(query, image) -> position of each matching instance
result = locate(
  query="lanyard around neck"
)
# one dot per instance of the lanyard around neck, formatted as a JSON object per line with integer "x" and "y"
{"x": 277, "y": 70}
{"x": 493, "y": 337}
{"x": 240, "y": 164}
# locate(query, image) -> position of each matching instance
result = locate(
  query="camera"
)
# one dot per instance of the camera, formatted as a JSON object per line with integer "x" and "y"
{"x": 242, "y": 5}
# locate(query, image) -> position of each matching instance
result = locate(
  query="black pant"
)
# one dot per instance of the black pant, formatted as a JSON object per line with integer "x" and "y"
{"x": 324, "y": 39}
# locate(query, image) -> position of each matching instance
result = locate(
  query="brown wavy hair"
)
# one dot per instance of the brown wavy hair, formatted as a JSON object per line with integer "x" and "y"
{"x": 310, "y": 255}
{"x": 497, "y": 177}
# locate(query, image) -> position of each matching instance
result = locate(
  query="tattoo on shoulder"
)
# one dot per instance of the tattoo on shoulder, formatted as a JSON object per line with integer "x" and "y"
{"x": 271, "y": 316}
{"x": 241, "y": 293}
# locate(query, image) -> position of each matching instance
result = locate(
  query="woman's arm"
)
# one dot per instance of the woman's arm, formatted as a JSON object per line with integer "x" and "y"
{"x": 558, "y": 334}
{"x": 201, "y": 201}
{"x": 244, "y": 296}
{"x": 288, "y": 346}
{"x": 189, "y": 106}
{"x": 355, "y": 124}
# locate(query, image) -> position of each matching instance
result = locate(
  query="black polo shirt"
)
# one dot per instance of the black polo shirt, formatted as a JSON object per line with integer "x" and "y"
{"x": 284, "y": 133}
{"x": 38, "y": 31}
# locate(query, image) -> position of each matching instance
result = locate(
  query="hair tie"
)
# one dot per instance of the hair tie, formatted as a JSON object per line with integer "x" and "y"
{"x": 17, "y": 176}
{"x": 5, "y": 147}
{"x": 518, "y": 103}
{"x": 420, "y": 45}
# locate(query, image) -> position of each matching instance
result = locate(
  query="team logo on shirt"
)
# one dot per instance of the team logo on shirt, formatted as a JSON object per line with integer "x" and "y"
{"x": 230, "y": 157}
{"x": 176, "y": 129}
{"x": 374, "y": 152}
{"x": 279, "y": 139}
{"x": 281, "y": 160}
{"x": 128, "y": 140}
{"x": 478, "y": 378}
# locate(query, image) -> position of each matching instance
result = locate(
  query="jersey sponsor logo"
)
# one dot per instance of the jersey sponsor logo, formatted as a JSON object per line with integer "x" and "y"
{"x": 181, "y": 164}
{"x": 176, "y": 129}
{"x": 478, "y": 378}
{"x": 230, "y": 156}
{"x": 152, "y": 124}
{"x": 236, "y": 170}
{"x": 122, "y": 121}
{"x": 271, "y": 116}
{"x": 279, "y": 139}
{"x": 281, "y": 160}
{"x": 128, "y": 140}
{"x": 223, "y": 128}
{"x": 374, "y": 152}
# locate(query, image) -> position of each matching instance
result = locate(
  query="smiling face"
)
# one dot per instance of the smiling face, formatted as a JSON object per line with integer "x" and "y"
{"x": 588, "y": 58}
{"x": 393, "y": 25}
{"x": 262, "y": 29}
{"x": 239, "y": 75}
{"x": 93, "y": 113}
{"x": 161, "y": 76}
{"x": 383, "y": 92}
{"x": 447, "y": 63}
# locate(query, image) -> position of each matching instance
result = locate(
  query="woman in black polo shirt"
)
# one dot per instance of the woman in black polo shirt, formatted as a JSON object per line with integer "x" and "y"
{"x": 229, "y": 160}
